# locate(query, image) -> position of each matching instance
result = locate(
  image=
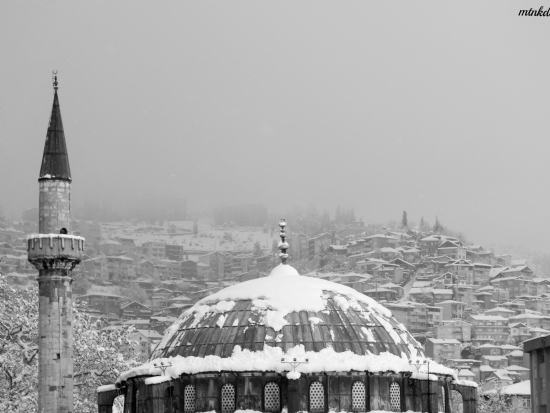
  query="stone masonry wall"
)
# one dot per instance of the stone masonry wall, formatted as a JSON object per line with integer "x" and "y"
{"x": 55, "y": 341}
{"x": 54, "y": 205}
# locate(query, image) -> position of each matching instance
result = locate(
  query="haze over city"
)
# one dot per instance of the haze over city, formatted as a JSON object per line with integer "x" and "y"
{"x": 436, "y": 108}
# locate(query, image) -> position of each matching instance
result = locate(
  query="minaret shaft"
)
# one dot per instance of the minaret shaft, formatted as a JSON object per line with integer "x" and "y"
{"x": 54, "y": 206}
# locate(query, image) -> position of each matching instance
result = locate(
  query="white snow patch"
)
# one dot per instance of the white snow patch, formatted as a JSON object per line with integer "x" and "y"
{"x": 44, "y": 236}
{"x": 221, "y": 321}
{"x": 236, "y": 322}
{"x": 275, "y": 320}
{"x": 368, "y": 334}
{"x": 260, "y": 304}
{"x": 157, "y": 380}
{"x": 296, "y": 294}
{"x": 342, "y": 302}
{"x": 315, "y": 320}
{"x": 293, "y": 375}
{"x": 224, "y": 306}
{"x": 108, "y": 387}
{"x": 465, "y": 383}
{"x": 269, "y": 359}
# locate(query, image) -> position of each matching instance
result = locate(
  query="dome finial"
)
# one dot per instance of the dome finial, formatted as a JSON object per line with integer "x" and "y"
{"x": 54, "y": 78}
{"x": 283, "y": 245}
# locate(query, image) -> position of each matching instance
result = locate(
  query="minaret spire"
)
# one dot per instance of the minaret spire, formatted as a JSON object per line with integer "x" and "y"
{"x": 55, "y": 161}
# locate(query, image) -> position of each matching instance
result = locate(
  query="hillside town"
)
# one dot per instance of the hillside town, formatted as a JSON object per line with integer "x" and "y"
{"x": 470, "y": 307}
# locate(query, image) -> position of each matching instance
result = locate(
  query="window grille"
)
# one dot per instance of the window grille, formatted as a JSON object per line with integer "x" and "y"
{"x": 228, "y": 398}
{"x": 395, "y": 397}
{"x": 316, "y": 397}
{"x": 189, "y": 399}
{"x": 271, "y": 397}
{"x": 358, "y": 395}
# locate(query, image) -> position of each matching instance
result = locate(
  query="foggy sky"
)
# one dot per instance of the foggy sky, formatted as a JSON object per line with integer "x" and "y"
{"x": 437, "y": 108}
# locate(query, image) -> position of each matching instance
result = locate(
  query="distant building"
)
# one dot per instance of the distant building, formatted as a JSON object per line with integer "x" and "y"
{"x": 298, "y": 246}
{"x": 490, "y": 327}
{"x": 135, "y": 310}
{"x": 121, "y": 269}
{"x": 456, "y": 329}
{"x": 519, "y": 332}
{"x": 189, "y": 269}
{"x": 146, "y": 340}
{"x": 97, "y": 267}
{"x": 442, "y": 350}
{"x": 154, "y": 250}
{"x": 105, "y": 303}
{"x": 317, "y": 243}
{"x": 174, "y": 252}
{"x": 495, "y": 362}
{"x": 110, "y": 247}
{"x": 429, "y": 245}
{"x": 216, "y": 263}
{"x": 451, "y": 309}
{"x": 462, "y": 269}
{"x": 454, "y": 250}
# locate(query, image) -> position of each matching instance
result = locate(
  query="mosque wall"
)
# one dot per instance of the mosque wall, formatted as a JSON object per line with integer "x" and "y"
{"x": 314, "y": 393}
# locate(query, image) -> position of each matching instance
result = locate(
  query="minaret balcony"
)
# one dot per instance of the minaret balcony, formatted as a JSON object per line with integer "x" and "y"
{"x": 55, "y": 251}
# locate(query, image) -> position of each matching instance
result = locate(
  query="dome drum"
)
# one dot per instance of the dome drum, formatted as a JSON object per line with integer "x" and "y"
{"x": 274, "y": 393}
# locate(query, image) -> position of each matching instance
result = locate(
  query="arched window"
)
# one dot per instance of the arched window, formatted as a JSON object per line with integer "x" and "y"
{"x": 456, "y": 401}
{"x": 358, "y": 395}
{"x": 316, "y": 397}
{"x": 395, "y": 397}
{"x": 228, "y": 398}
{"x": 441, "y": 402}
{"x": 272, "y": 398}
{"x": 189, "y": 399}
{"x": 118, "y": 404}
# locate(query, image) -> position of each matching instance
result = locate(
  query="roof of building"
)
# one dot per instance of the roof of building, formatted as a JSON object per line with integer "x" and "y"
{"x": 150, "y": 334}
{"x": 488, "y": 318}
{"x": 442, "y": 291}
{"x": 495, "y": 358}
{"x": 55, "y": 160}
{"x": 465, "y": 373}
{"x": 516, "y": 353}
{"x": 509, "y": 347}
{"x": 450, "y": 302}
{"x": 523, "y": 388}
{"x": 499, "y": 310}
{"x": 517, "y": 368}
{"x": 444, "y": 341}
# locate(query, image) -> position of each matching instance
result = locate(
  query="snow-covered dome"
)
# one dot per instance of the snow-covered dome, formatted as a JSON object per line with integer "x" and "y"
{"x": 286, "y": 310}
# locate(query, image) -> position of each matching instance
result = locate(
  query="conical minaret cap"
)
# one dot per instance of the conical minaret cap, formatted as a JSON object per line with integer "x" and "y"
{"x": 55, "y": 161}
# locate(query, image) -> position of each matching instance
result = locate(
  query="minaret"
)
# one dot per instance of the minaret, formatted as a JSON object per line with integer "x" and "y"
{"x": 55, "y": 253}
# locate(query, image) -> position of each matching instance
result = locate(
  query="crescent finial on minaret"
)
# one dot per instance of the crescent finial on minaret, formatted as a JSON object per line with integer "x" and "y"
{"x": 54, "y": 77}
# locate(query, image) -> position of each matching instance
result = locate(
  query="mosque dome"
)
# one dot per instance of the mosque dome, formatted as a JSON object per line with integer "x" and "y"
{"x": 286, "y": 310}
